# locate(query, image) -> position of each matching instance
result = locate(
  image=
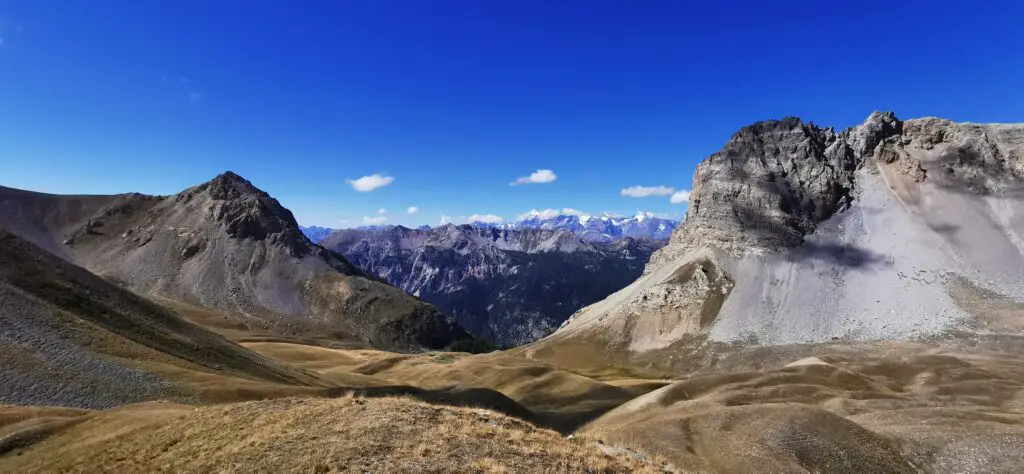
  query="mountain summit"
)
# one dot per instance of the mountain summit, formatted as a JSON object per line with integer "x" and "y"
{"x": 797, "y": 233}
{"x": 227, "y": 246}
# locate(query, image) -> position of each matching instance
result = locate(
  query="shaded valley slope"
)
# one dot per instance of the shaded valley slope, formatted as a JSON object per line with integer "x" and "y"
{"x": 507, "y": 286}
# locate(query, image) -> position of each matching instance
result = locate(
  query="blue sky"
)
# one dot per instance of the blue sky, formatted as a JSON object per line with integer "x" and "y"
{"x": 456, "y": 100}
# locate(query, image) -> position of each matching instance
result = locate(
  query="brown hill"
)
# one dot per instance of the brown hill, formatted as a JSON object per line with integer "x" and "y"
{"x": 303, "y": 435}
{"x": 227, "y": 246}
{"x": 879, "y": 408}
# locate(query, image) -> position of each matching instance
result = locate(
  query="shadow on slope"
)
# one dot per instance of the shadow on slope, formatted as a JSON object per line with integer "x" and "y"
{"x": 72, "y": 338}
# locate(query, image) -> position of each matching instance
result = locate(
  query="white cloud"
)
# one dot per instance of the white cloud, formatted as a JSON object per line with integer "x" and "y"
{"x": 680, "y": 197}
{"x": 549, "y": 213}
{"x": 659, "y": 215}
{"x": 374, "y": 220}
{"x": 545, "y": 214}
{"x": 537, "y": 177}
{"x": 381, "y": 211}
{"x": 644, "y": 191}
{"x": 412, "y": 210}
{"x": 445, "y": 219}
{"x": 369, "y": 183}
{"x": 486, "y": 218}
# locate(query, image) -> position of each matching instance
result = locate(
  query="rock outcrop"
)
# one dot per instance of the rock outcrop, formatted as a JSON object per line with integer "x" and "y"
{"x": 886, "y": 230}
{"x": 773, "y": 182}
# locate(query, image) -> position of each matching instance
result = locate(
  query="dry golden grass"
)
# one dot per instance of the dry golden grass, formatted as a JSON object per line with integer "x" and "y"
{"x": 911, "y": 410}
{"x": 559, "y": 398}
{"x": 311, "y": 435}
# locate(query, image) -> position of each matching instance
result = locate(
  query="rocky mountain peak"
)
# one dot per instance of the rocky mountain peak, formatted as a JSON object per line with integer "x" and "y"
{"x": 229, "y": 185}
{"x": 247, "y": 212}
{"x": 773, "y": 182}
{"x": 864, "y": 138}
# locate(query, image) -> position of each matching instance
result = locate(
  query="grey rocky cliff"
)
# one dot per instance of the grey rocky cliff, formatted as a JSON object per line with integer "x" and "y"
{"x": 887, "y": 230}
{"x": 773, "y": 182}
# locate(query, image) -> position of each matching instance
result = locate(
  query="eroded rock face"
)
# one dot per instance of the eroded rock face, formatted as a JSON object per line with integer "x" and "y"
{"x": 821, "y": 236}
{"x": 685, "y": 303}
{"x": 246, "y": 212}
{"x": 773, "y": 182}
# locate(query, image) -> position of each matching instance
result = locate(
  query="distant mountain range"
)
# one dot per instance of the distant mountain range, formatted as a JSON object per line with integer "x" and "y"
{"x": 604, "y": 228}
{"x": 510, "y": 286}
{"x": 316, "y": 233}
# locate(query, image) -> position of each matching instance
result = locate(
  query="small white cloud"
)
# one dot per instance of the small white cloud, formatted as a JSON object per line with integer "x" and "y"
{"x": 545, "y": 214}
{"x": 644, "y": 191}
{"x": 549, "y": 213}
{"x": 537, "y": 177}
{"x": 412, "y": 210}
{"x": 445, "y": 219}
{"x": 381, "y": 211}
{"x": 641, "y": 215}
{"x": 369, "y": 183}
{"x": 374, "y": 220}
{"x": 485, "y": 218}
{"x": 680, "y": 197}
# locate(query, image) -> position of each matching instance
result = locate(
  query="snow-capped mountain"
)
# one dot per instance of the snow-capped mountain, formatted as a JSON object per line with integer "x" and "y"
{"x": 603, "y": 228}
{"x": 510, "y": 286}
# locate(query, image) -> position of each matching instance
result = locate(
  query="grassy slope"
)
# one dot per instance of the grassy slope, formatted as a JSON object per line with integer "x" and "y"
{"x": 312, "y": 435}
{"x": 85, "y": 330}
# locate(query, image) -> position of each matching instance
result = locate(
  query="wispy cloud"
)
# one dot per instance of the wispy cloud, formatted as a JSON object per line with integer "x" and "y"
{"x": 645, "y": 191}
{"x": 412, "y": 210}
{"x": 537, "y": 177}
{"x": 659, "y": 215}
{"x": 369, "y": 183}
{"x": 549, "y": 213}
{"x": 382, "y": 211}
{"x": 374, "y": 220}
{"x": 680, "y": 197}
{"x": 8, "y": 32}
{"x": 485, "y": 218}
{"x": 185, "y": 86}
